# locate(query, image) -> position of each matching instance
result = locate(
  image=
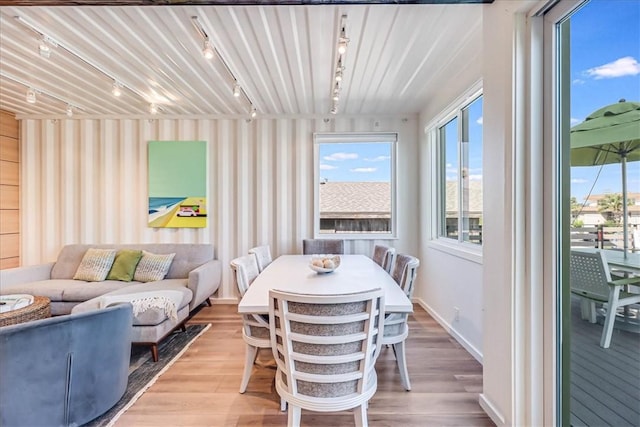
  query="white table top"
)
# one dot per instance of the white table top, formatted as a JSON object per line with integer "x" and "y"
{"x": 617, "y": 259}
{"x": 292, "y": 273}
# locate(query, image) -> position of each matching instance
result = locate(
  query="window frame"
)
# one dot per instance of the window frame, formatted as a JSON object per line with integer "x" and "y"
{"x": 349, "y": 138}
{"x": 458, "y": 247}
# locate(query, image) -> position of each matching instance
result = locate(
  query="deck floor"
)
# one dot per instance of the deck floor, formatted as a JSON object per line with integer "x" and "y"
{"x": 605, "y": 383}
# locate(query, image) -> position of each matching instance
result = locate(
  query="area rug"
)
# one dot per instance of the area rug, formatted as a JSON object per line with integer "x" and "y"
{"x": 143, "y": 371}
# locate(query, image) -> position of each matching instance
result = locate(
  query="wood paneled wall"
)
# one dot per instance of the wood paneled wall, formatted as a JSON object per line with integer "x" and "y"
{"x": 85, "y": 181}
{"x": 9, "y": 191}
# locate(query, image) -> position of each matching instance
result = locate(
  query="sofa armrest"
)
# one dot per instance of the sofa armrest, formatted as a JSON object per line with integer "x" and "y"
{"x": 204, "y": 281}
{"x": 31, "y": 273}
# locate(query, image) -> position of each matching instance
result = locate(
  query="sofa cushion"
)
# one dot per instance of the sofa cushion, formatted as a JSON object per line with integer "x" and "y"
{"x": 153, "y": 267}
{"x": 125, "y": 265}
{"x": 149, "y": 317}
{"x": 66, "y": 289}
{"x": 95, "y": 265}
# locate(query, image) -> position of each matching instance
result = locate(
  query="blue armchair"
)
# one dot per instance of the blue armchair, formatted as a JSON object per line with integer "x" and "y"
{"x": 66, "y": 370}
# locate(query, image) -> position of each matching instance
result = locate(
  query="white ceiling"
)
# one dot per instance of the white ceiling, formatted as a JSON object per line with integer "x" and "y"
{"x": 282, "y": 56}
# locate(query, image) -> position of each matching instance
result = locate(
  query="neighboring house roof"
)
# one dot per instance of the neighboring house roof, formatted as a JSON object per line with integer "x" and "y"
{"x": 355, "y": 200}
{"x": 475, "y": 197}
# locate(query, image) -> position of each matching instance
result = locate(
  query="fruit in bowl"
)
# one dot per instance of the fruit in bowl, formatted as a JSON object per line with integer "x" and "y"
{"x": 324, "y": 263}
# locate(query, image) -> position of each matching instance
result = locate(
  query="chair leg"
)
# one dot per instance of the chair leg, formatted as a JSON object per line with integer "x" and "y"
{"x": 293, "y": 418}
{"x": 250, "y": 355}
{"x": 208, "y": 301}
{"x": 283, "y": 405}
{"x": 154, "y": 352}
{"x": 360, "y": 414}
{"x": 402, "y": 364}
{"x": 612, "y": 307}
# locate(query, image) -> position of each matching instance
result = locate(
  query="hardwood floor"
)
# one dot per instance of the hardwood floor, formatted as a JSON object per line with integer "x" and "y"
{"x": 201, "y": 388}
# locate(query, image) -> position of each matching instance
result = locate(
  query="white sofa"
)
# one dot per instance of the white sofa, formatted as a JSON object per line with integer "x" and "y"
{"x": 194, "y": 273}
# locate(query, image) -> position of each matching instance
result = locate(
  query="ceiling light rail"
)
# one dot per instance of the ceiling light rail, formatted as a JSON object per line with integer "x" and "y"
{"x": 32, "y": 93}
{"x": 209, "y": 52}
{"x": 47, "y": 41}
{"x": 338, "y": 69}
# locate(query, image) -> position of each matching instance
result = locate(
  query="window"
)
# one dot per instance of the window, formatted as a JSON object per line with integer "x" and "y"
{"x": 355, "y": 185}
{"x": 460, "y": 174}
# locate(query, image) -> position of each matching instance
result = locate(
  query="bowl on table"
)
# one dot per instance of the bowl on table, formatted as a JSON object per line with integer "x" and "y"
{"x": 324, "y": 263}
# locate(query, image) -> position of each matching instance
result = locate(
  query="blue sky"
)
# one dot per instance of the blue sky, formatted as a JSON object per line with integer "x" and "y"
{"x": 364, "y": 162}
{"x": 605, "y": 56}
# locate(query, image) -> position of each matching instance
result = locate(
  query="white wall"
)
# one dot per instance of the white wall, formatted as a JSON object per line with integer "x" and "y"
{"x": 84, "y": 181}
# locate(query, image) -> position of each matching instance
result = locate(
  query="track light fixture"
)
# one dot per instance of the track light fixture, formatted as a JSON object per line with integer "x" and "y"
{"x": 339, "y": 64}
{"x": 238, "y": 91}
{"x": 44, "y": 49}
{"x": 69, "y": 110}
{"x": 207, "y": 50}
{"x": 153, "y": 108}
{"x": 49, "y": 42}
{"x": 254, "y": 113}
{"x": 31, "y": 96}
{"x": 116, "y": 89}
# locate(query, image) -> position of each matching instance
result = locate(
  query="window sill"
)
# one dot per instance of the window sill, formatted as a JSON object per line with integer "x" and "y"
{"x": 467, "y": 251}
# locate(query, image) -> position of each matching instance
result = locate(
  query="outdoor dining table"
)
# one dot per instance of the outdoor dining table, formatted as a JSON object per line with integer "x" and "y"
{"x": 291, "y": 273}
{"x": 618, "y": 260}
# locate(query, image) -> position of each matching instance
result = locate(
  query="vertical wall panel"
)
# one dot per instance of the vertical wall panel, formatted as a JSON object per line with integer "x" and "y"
{"x": 85, "y": 181}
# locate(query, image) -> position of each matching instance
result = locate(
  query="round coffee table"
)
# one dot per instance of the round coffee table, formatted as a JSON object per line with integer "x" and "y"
{"x": 39, "y": 309}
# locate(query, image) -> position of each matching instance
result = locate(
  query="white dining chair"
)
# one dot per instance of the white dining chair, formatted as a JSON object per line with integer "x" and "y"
{"x": 383, "y": 256}
{"x": 255, "y": 328}
{"x": 263, "y": 256}
{"x": 590, "y": 279}
{"x": 396, "y": 327}
{"x": 325, "y": 347}
{"x": 322, "y": 246}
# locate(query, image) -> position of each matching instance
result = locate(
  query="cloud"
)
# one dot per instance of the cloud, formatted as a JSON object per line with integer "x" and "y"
{"x": 363, "y": 170}
{"x": 325, "y": 167}
{"x": 479, "y": 121}
{"x": 377, "y": 159}
{"x": 575, "y": 121}
{"x": 449, "y": 165}
{"x": 475, "y": 177}
{"x": 336, "y": 157}
{"x": 627, "y": 66}
{"x": 578, "y": 82}
{"x": 579, "y": 181}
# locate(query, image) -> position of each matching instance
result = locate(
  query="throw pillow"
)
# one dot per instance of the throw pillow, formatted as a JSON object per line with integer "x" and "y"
{"x": 125, "y": 265}
{"x": 95, "y": 265}
{"x": 153, "y": 267}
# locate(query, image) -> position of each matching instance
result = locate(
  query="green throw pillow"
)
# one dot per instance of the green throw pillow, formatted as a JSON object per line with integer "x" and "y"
{"x": 125, "y": 265}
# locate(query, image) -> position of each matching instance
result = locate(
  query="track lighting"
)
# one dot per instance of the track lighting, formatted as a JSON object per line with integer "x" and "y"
{"x": 339, "y": 75}
{"x": 339, "y": 64}
{"x": 69, "y": 110}
{"x": 342, "y": 46}
{"x": 254, "y": 113}
{"x": 207, "y": 50}
{"x": 31, "y": 96}
{"x": 153, "y": 108}
{"x": 44, "y": 49}
{"x": 116, "y": 89}
{"x": 236, "y": 90}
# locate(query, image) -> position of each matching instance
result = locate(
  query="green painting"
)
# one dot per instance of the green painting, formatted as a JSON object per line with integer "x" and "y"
{"x": 177, "y": 184}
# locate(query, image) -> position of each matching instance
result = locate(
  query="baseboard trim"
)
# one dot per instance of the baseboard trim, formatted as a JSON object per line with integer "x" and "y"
{"x": 491, "y": 410}
{"x": 451, "y": 330}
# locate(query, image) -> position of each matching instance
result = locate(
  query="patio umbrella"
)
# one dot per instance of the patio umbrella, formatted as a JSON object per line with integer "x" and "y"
{"x": 609, "y": 135}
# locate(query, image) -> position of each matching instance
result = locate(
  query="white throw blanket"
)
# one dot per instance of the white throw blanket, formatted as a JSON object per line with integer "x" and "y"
{"x": 165, "y": 300}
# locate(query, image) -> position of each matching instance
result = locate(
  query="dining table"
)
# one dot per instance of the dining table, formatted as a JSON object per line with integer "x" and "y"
{"x": 292, "y": 273}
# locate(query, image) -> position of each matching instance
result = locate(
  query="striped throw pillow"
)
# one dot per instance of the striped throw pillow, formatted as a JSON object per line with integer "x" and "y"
{"x": 95, "y": 265}
{"x": 152, "y": 267}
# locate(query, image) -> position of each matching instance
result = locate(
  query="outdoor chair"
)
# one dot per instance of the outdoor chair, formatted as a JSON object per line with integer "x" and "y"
{"x": 396, "y": 328}
{"x": 383, "y": 256}
{"x": 263, "y": 256}
{"x": 255, "y": 328}
{"x": 591, "y": 279}
{"x": 322, "y": 246}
